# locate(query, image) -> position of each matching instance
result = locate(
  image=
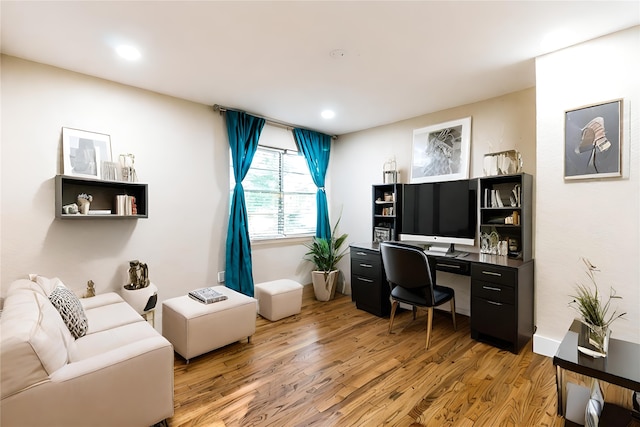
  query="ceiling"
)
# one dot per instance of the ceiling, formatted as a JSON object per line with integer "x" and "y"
{"x": 373, "y": 63}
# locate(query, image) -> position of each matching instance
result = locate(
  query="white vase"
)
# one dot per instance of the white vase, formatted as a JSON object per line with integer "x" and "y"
{"x": 324, "y": 285}
{"x": 83, "y": 206}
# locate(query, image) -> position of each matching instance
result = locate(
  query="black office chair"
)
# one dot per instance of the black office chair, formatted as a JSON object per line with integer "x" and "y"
{"x": 410, "y": 277}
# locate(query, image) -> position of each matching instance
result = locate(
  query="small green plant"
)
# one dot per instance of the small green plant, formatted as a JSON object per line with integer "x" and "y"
{"x": 325, "y": 253}
{"x": 588, "y": 304}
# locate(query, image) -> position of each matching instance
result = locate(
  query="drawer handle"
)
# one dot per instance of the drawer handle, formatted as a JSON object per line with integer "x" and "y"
{"x": 361, "y": 253}
{"x": 494, "y": 303}
{"x": 448, "y": 265}
{"x": 365, "y": 280}
{"x": 491, "y": 288}
{"x": 491, "y": 273}
{"x": 366, "y": 265}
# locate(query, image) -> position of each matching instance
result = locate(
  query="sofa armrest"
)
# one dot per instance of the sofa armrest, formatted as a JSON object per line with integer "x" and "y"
{"x": 131, "y": 385}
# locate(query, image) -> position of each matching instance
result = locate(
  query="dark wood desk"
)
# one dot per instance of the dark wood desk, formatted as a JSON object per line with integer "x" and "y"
{"x": 501, "y": 292}
{"x": 621, "y": 366}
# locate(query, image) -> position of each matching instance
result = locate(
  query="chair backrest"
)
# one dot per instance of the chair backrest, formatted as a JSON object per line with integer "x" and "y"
{"x": 407, "y": 266}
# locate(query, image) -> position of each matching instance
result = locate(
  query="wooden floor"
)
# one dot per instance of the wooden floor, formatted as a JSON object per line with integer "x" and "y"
{"x": 335, "y": 365}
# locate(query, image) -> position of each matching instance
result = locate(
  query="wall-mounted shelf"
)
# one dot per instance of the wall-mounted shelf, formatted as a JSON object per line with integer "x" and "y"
{"x": 104, "y": 196}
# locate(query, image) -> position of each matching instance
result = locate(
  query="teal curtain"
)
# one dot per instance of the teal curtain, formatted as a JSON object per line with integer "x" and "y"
{"x": 244, "y": 131}
{"x": 316, "y": 147}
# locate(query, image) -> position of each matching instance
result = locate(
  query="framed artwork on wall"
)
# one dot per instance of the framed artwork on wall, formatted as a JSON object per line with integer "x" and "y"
{"x": 592, "y": 137}
{"x": 83, "y": 152}
{"x": 441, "y": 152}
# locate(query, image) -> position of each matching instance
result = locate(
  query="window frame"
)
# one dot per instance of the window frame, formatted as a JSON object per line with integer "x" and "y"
{"x": 280, "y": 237}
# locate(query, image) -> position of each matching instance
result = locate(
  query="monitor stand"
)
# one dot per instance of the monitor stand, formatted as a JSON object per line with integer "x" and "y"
{"x": 446, "y": 251}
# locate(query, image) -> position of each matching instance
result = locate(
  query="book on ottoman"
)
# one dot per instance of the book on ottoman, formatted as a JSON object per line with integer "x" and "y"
{"x": 207, "y": 295}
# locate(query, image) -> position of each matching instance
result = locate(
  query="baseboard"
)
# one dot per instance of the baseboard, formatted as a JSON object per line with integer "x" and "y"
{"x": 545, "y": 346}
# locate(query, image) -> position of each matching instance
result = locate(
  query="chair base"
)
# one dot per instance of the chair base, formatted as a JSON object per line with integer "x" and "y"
{"x": 394, "y": 307}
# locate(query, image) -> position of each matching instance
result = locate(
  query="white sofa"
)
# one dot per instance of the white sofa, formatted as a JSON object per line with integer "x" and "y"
{"x": 120, "y": 373}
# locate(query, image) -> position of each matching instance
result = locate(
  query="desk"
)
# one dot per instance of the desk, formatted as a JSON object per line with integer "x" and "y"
{"x": 621, "y": 366}
{"x": 501, "y": 292}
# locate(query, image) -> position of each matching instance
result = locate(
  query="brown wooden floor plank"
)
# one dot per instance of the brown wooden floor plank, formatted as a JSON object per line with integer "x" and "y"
{"x": 335, "y": 365}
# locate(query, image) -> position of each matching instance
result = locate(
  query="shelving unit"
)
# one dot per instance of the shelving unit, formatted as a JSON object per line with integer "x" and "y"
{"x": 387, "y": 202}
{"x": 104, "y": 196}
{"x": 506, "y": 212}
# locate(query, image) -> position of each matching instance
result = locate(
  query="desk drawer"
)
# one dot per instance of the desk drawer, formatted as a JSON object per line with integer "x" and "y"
{"x": 365, "y": 255}
{"x": 494, "y": 274}
{"x": 493, "y": 318}
{"x": 451, "y": 265}
{"x": 367, "y": 267}
{"x": 493, "y": 292}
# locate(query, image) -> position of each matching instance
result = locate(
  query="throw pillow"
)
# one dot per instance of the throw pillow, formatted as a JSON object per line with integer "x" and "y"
{"x": 70, "y": 310}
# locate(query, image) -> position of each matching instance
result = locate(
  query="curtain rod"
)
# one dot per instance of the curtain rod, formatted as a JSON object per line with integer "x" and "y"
{"x": 288, "y": 126}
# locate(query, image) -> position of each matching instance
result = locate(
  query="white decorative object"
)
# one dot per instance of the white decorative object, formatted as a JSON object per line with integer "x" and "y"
{"x": 139, "y": 298}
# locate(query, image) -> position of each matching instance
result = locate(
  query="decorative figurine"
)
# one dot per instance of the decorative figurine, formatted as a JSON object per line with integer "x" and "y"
{"x": 91, "y": 292}
{"x": 138, "y": 275}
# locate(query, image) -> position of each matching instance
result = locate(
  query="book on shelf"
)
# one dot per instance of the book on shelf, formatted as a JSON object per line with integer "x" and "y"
{"x": 207, "y": 295}
{"x": 100, "y": 212}
{"x": 126, "y": 205}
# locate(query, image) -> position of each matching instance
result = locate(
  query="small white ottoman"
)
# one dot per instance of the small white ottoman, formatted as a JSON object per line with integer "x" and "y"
{"x": 278, "y": 299}
{"x": 195, "y": 328}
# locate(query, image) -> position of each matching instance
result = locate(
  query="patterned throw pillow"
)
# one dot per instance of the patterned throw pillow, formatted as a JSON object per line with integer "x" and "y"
{"x": 70, "y": 309}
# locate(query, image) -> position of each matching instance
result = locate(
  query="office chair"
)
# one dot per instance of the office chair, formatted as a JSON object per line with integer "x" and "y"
{"x": 412, "y": 282}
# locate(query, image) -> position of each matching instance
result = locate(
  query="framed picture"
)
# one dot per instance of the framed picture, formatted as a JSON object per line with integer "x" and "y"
{"x": 592, "y": 137}
{"x": 382, "y": 234}
{"x": 441, "y": 152}
{"x": 83, "y": 152}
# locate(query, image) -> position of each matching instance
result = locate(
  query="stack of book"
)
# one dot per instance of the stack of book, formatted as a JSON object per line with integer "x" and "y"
{"x": 207, "y": 295}
{"x": 126, "y": 205}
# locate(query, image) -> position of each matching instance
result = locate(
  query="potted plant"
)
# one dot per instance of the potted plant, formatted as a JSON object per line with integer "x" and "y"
{"x": 594, "y": 315}
{"x": 325, "y": 255}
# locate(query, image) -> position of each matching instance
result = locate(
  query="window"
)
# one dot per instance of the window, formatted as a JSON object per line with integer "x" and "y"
{"x": 279, "y": 193}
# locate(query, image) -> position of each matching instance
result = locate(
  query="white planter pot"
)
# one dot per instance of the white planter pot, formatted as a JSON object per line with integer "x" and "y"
{"x": 138, "y": 298}
{"x": 324, "y": 286}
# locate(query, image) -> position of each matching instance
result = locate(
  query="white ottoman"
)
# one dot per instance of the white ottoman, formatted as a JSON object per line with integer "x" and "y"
{"x": 279, "y": 298}
{"x": 195, "y": 328}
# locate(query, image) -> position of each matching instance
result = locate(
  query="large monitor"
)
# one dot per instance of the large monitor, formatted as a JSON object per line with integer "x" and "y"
{"x": 440, "y": 212}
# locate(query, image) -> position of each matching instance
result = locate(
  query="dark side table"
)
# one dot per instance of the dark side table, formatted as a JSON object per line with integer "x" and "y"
{"x": 621, "y": 366}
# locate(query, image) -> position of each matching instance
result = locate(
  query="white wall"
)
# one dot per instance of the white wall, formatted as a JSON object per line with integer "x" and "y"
{"x": 181, "y": 151}
{"x": 497, "y": 124}
{"x": 596, "y": 219}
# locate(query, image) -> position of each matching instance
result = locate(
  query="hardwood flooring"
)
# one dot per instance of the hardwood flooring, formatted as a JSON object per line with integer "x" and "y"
{"x": 335, "y": 365}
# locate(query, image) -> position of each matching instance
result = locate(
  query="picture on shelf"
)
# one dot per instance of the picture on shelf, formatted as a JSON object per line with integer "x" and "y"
{"x": 441, "y": 152}
{"x": 592, "y": 142}
{"x": 83, "y": 152}
{"x": 382, "y": 234}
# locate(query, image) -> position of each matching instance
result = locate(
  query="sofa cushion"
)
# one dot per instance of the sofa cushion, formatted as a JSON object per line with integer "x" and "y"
{"x": 34, "y": 341}
{"x": 47, "y": 285}
{"x": 100, "y": 300}
{"x": 111, "y": 339}
{"x": 69, "y": 307}
{"x": 111, "y": 316}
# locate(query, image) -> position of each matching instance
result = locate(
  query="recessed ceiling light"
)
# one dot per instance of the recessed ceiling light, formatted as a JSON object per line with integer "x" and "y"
{"x": 128, "y": 52}
{"x": 328, "y": 114}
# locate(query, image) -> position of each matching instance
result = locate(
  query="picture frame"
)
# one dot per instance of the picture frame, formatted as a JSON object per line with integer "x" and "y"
{"x": 381, "y": 234}
{"x": 83, "y": 152}
{"x": 592, "y": 141}
{"x": 441, "y": 152}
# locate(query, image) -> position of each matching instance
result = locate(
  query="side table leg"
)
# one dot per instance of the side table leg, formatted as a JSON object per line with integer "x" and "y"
{"x": 560, "y": 388}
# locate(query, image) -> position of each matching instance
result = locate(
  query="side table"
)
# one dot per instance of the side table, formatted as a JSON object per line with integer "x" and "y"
{"x": 143, "y": 301}
{"x": 620, "y": 367}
